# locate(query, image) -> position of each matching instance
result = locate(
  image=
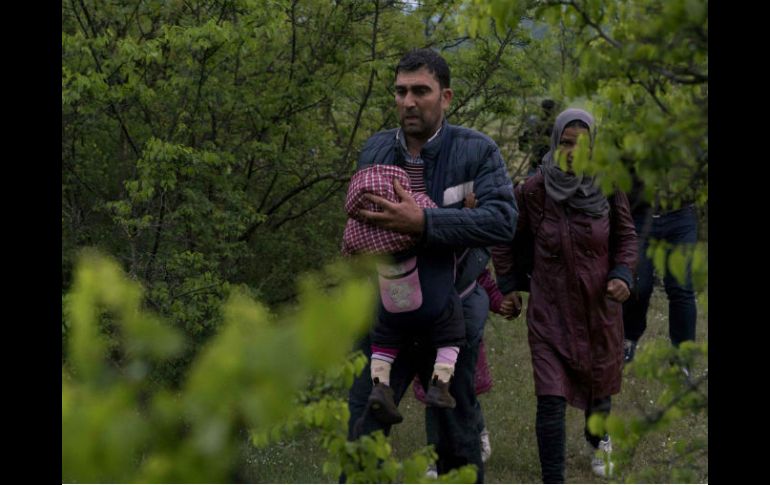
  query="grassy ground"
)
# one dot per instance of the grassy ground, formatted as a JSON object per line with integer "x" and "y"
{"x": 509, "y": 410}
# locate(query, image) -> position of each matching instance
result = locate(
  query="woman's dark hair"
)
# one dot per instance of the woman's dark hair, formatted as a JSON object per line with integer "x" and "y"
{"x": 417, "y": 58}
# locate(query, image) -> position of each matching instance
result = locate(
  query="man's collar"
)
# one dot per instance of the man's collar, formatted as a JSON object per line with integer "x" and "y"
{"x": 402, "y": 139}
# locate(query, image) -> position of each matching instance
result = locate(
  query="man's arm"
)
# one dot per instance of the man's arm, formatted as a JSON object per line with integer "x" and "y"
{"x": 491, "y": 222}
{"x": 507, "y": 269}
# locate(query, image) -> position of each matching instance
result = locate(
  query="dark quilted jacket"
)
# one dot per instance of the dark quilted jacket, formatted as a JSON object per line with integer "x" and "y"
{"x": 474, "y": 165}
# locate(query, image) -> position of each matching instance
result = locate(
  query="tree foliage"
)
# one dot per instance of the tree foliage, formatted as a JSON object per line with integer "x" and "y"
{"x": 208, "y": 144}
{"x": 641, "y": 66}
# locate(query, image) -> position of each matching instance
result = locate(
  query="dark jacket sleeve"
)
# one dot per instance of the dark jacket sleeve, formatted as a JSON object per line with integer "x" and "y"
{"x": 509, "y": 275}
{"x": 623, "y": 240}
{"x": 491, "y": 222}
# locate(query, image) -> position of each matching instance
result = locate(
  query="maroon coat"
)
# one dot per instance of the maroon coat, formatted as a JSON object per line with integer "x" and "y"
{"x": 575, "y": 331}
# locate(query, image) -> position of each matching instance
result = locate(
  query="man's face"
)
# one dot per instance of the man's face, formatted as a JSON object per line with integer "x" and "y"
{"x": 421, "y": 102}
{"x": 569, "y": 141}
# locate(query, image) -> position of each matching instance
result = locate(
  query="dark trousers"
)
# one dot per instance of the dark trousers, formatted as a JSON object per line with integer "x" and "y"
{"x": 431, "y": 425}
{"x": 676, "y": 227}
{"x": 550, "y": 427}
{"x": 456, "y": 435}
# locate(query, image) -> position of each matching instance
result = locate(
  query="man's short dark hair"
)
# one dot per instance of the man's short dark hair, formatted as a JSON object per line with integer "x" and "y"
{"x": 417, "y": 58}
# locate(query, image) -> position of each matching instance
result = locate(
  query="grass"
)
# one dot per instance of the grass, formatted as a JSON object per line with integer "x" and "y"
{"x": 509, "y": 410}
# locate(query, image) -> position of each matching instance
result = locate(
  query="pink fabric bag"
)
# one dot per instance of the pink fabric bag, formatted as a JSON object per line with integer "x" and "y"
{"x": 400, "y": 286}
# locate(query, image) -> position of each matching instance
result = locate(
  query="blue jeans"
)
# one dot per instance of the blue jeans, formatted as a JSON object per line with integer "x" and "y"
{"x": 455, "y": 432}
{"x": 676, "y": 227}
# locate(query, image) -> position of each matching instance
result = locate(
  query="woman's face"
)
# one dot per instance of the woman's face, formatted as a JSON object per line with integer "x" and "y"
{"x": 568, "y": 143}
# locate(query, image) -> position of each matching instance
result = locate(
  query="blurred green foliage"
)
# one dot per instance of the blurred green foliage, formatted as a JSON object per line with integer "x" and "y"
{"x": 683, "y": 373}
{"x": 120, "y": 426}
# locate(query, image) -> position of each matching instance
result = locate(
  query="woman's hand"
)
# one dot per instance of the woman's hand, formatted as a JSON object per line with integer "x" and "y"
{"x": 617, "y": 290}
{"x": 510, "y": 308}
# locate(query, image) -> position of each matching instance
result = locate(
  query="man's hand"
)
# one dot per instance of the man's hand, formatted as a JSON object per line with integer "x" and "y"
{"x": 511, "y": 306}
{"x": 617, "y": 290}
{"x": 405, "y": 217}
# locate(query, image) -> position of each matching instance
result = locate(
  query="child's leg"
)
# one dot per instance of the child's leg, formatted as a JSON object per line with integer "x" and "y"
{"x": 382, "y": 360}
{"x": 381, "y": 402}
{"x": 447, "y": 333}
{"x": 444, "y": 368}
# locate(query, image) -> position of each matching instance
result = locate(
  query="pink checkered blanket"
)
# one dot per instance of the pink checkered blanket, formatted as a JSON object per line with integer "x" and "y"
{"x": 360, "y": 237}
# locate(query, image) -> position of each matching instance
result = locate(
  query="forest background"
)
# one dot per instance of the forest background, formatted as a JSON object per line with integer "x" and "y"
{"x": 206, "y": 150}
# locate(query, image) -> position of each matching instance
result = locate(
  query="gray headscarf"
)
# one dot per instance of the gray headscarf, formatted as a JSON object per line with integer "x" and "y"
{"x": 579, "y": 192}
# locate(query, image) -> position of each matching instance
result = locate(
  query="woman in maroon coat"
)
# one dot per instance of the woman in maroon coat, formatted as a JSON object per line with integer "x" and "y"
{"x": 574, "y": 251}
